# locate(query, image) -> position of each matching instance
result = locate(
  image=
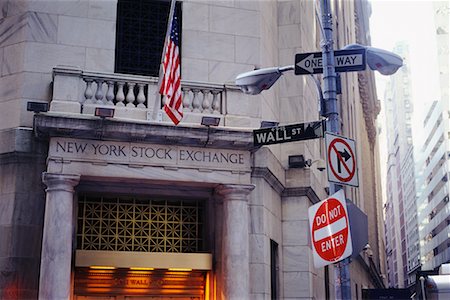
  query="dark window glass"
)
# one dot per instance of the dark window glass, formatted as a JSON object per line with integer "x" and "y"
{"x": 274, "y": 269}
{"x": 140, "y": 32}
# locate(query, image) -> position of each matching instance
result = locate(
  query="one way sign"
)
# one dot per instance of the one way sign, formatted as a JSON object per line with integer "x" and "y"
{"x": 341, "y": 160}
{"x": 344, "y": 60}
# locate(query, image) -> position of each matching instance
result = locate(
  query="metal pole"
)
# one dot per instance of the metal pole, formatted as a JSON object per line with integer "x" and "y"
{"x": 422, "y": 286}
{"x": 341, "y": 270}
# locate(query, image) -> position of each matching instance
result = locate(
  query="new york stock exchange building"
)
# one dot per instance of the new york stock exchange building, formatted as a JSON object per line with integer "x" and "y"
{"x": 130, "y": 206}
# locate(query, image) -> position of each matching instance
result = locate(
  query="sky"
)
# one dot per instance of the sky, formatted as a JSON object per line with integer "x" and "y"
{"x": 410, "y": 21}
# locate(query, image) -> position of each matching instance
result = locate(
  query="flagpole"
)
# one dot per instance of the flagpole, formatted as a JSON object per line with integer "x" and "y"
{"x": 157, "y": 104}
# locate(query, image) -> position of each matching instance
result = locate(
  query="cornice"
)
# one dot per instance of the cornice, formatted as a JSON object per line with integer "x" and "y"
{"x": 302, "y": 191}
{"x": 370, "y": 105}
{"x": 270, "y": 178}
{"x": 88, "y": 127}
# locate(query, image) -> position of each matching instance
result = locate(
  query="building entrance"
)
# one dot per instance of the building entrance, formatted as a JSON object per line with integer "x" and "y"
{"x": 140, "y": 248}
{"x": 128, "y": 284}
{"x": 136, "y": 298}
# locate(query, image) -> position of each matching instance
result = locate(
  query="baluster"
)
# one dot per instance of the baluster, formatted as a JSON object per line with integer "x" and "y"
{"x": 141, "y": 96}
{"x": 130, "y": 94}
{"x": 195, "y": 101}
{"x": 120, "y": 95}
{"x": 164, "y": 100}
{"x": 216, "y": 102}
{"x": 187, "y": 100}
{"x": 205, "y": 103}
{"x": 110, "y": 93}
{"x": 99, "y": 93}
{"x": 88, "y": 93}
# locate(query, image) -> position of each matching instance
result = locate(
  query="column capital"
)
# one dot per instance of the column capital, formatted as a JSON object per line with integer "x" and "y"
{"x": 60, "y": 182}
{"x": 227, "y": 191}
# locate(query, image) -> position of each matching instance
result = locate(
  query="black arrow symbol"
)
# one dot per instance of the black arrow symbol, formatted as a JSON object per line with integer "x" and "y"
{"x": 344, "y": 155}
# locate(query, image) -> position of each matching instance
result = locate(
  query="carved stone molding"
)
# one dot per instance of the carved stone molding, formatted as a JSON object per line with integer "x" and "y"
{"x": 268, "y": 176}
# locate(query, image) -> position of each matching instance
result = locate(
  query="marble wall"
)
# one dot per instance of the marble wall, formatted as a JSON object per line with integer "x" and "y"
{"x": 21, "y": 213}
{"x": 35, "y": 36}
{"x": 279, "y": 212}
{"x": 220, "y": 39}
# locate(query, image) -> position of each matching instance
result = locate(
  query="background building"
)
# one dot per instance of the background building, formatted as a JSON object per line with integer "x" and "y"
{"x": 402, "y": 240}
{"x": 433, "y": 195}
{"x": 131, "y": 206}
{"x": 411, "y": 223}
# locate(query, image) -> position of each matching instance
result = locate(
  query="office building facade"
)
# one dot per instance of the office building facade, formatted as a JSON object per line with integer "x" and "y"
{"x": 433, "y": 195}
{"x": 402, "y": 241}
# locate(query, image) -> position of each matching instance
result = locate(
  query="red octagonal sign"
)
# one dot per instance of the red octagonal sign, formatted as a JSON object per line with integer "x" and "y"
{"x": 330, "y": 232}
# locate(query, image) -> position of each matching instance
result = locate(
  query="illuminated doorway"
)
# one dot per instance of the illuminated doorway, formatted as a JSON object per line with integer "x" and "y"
{"x": 141, "y": 248}
{"x": 115, "y": 284}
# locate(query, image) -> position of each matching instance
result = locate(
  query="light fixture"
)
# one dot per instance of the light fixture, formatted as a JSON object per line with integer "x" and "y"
{"x": 321, "y": 165}
{"x": 180, "y": 269}
{"x": 269, "y": 124}
{"x": 254, "y": 82}
{"x": 385, "y": 62}
{"x": 368, "y": 250}
{"x": 141, "y": 269}
{"x": 37, "y": 107}
{"x": 104, "y": 112}
{"x": 297, "y": 161}
{"x": 210, "y": 121}
{"x": 103, "y": 267}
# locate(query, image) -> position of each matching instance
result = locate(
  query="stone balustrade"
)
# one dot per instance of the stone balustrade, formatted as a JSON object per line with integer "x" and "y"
{"x": 134, "y": 97}
{"x": 117, "y": 90}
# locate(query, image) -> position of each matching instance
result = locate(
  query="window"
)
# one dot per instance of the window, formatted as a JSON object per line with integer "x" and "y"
{"x": 140, "y": 33}
{"x": 327, "y": 282}
{"x": 273, "y": 269}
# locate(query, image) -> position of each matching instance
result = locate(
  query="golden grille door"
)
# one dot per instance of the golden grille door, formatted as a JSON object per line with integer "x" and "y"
{"x": 130, "y": 224}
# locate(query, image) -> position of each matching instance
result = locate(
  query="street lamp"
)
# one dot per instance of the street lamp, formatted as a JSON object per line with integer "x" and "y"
{"x": 254, "y": 82}
{"x": 385, "y": 62}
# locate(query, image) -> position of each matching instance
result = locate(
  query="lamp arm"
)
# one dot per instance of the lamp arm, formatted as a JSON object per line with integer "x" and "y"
{"x": 286, "y": 68}
{"x": 319, "y": 93}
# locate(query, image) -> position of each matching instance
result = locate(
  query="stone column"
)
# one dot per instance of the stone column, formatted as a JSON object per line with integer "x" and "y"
{"x": 56, "y": 255}
{"x": 235, "y": 241}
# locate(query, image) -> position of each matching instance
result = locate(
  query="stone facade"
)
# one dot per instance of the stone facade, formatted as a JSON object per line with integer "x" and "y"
{"x": 254, "y": 199}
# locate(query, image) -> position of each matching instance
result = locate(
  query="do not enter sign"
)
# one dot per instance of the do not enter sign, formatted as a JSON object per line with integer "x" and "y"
{"x": 330, "y": 231}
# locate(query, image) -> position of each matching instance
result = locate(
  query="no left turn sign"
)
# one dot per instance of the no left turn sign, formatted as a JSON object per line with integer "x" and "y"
{"x": 330, "y": 231}
{"x": 341, "y": 160}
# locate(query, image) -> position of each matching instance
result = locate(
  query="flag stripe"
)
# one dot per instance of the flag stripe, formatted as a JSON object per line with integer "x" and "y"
{"x": 171, "y": 81}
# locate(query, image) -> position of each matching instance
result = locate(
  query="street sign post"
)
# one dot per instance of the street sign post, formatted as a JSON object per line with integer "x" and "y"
{"x": 341, "y": 160}
{"x": 345, "y": 61}
{"x": 288, "y": 133}
{"x": 330, "y": 230}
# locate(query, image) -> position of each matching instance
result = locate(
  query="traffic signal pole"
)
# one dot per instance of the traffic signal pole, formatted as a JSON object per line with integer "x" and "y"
{"x": 341, "y": 269}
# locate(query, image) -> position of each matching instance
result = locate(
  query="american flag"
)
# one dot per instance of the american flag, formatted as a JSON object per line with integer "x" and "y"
{"x": 171, "y": 81}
